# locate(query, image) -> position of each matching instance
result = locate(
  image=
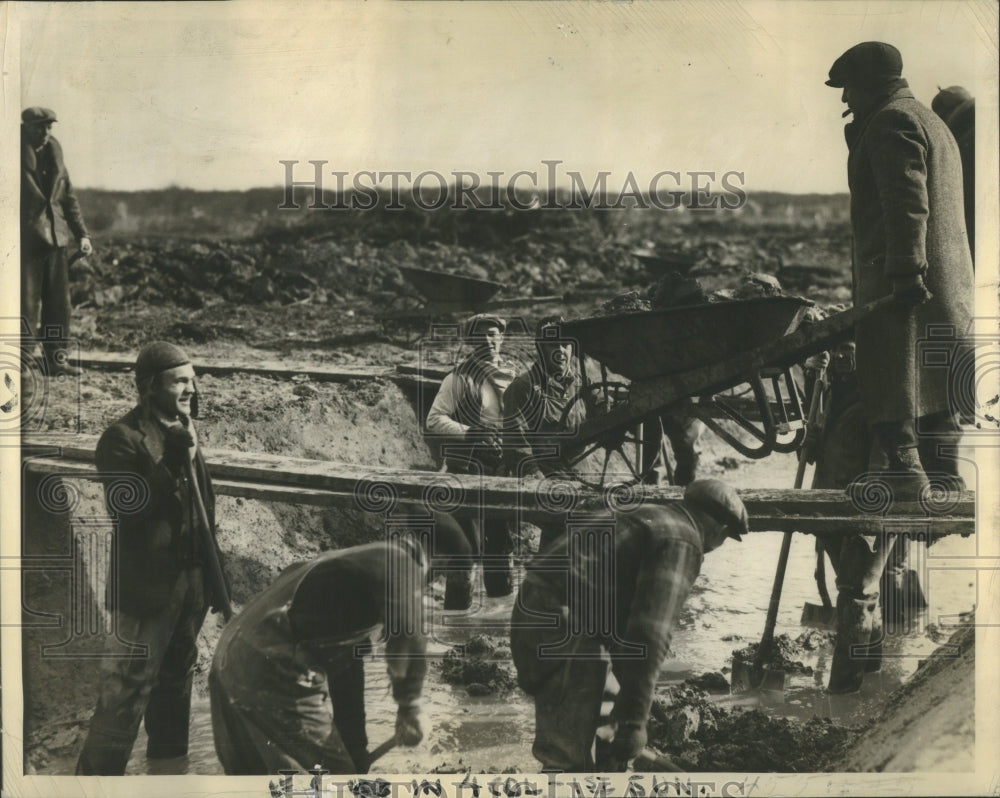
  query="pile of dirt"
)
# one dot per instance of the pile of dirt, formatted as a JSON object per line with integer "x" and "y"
{"x": 781, "y": 654}
{"x": 483, "y": 666}
{"x": 702, "y": 736}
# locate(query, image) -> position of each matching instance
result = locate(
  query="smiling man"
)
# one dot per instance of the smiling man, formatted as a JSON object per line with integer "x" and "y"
{"x": 157, "y": 588}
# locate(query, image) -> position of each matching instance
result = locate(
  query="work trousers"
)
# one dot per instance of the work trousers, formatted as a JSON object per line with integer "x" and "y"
{"x": 568, "y": 673}
{"x": 45, "y": 302}
{"x": 272, "y": 725}
{"x": 155, "y": 688}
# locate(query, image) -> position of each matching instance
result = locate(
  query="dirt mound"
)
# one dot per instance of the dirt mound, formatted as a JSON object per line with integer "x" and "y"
{"x": 702, "y": 736}
{"x": 482, "y": 666}
{"x": 782, "y": 653}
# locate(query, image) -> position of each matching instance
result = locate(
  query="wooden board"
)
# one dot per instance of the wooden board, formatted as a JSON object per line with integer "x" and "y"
{"x": 303, "y": 481}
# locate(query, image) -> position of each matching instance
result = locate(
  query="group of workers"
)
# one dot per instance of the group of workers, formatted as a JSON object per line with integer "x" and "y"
{"x": 597, "y": 606}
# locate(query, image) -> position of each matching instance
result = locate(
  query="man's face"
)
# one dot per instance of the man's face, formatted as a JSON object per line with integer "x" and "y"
{"x": 842, "y": 360}
{"x": 37, "y": 133}
{"x": 489, "y": 342}
{"x": 857, "y": 99}
{"x": 173, "y": 390}
{"x": 556, "y": 356}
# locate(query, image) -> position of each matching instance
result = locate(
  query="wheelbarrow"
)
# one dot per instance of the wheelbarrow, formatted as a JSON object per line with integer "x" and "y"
{"x": 651, "y": 360}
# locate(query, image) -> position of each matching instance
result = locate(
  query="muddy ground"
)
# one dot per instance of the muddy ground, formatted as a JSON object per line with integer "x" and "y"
{"x": 312, "y": 296}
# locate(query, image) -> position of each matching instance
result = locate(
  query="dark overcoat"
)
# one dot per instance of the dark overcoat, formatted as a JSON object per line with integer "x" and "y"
{"x": 907, "y": 218}
{"x": 152, "y": 522}
{"x": 49, "y": 218}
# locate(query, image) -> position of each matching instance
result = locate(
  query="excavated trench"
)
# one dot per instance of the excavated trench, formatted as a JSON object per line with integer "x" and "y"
{"x": 477, "y": 718}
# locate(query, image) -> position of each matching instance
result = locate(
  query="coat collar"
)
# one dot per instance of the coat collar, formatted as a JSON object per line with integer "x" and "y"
{"x": 853, "y": 131}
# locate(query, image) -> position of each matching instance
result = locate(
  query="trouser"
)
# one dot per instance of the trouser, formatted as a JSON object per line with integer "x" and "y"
{"x": 266, "y": 727}
{"x": 45, "y": 303}
{"x": 492, "y": 544}
{"x": 567, "y": 673}
{"x": 155, "y": 688}
{"x": 683, "y": 430}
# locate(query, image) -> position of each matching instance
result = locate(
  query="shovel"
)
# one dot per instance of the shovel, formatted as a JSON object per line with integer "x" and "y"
{"x": 761, "y": 674}
{"x": 820, "y": 615}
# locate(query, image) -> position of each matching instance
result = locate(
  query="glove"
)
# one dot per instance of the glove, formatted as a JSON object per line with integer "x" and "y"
{"x": 910, "y": 291}
{"x": 629, "y": 742}
{"x": 177, "y": 443}
{"x": 408, "y": 727}
{"x": 487, "y": 445}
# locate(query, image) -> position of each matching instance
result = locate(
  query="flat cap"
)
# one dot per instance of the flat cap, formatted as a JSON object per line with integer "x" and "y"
{"x": 477, "y": 326}
{"x": 866, "y": 64}
{"x": 36, "y": 114}
{"x": 157, "y": 357}
{"x": 721, "y": 502}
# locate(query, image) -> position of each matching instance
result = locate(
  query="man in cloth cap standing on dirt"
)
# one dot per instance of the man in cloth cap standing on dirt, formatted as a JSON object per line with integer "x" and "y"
{"x": 909, "y": 241}
{"x": 465, "y": 423}
{"x": 157, "y": 585}
{"x": 50, "y": 221}
{"x": 288, "y": 676}
{"x": 569, "y": 660}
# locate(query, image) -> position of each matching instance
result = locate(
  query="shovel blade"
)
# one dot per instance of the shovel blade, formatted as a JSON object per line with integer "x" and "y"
{"x": 819, "y": 616}
{"x": 745, "y": 677}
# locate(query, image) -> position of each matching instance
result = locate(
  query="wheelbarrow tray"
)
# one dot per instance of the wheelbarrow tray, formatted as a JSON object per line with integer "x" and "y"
{"x": 658, "y": 343}
{"x": 450, "y": 289}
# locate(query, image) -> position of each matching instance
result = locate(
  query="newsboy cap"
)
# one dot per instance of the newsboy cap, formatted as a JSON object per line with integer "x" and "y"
{"x": 36, "y": 114}
{"x": 721, "y": 502}
{"x": 157, "y": 357}
{"x": 866, "y": 64}
{"x": 477, "y": 326}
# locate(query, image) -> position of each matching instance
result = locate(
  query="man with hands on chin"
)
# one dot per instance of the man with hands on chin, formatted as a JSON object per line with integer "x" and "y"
{"x": 157, "y": 586}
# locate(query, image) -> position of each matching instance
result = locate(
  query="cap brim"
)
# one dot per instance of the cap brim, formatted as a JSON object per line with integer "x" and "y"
{"x": 835, "y": 85}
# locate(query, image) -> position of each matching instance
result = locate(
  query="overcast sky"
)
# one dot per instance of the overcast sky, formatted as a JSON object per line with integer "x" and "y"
{"x": 212, "y": 96}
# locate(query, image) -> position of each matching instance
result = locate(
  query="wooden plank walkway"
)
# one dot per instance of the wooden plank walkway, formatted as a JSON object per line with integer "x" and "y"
{"x": 325, "y": 483}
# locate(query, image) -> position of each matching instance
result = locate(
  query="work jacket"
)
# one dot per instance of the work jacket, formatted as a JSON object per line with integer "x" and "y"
{"x": 907, "y": 218}
{"x": 50, "y": 216}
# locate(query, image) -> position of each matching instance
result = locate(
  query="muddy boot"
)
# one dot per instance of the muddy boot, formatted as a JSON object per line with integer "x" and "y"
{"x": 854, "y": 631}
{"x": 904, "y": 472}
{"x": 458, "y": 590}
{"x": 873, "y": 657}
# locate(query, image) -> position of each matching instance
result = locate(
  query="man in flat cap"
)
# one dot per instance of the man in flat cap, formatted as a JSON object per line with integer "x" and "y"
{"x": 905, "y": 176}
{"x": 157, "y": 584}
{"x": 50, "y": 222}
{"x": 595, "y": 615}
{"x": 465, "y": 424}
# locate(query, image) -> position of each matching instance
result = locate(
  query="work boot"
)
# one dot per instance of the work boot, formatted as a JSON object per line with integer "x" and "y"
{"x": 854, "y": 631}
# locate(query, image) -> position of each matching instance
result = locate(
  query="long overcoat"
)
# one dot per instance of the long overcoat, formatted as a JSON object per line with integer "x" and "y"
{"x": 905, "y": 177}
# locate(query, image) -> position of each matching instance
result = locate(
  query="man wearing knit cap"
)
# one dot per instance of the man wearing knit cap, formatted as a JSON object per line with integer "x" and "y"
{"x": 905, "y": 176}
{"x": 594, "y": 618}
{"x": 50, "y": 222}
{"x": 157, "y": 588}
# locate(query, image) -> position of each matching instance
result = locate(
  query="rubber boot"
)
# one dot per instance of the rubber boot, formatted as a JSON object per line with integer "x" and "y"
{"x": 854, "y": 629}
{"x": 904, "y": 471}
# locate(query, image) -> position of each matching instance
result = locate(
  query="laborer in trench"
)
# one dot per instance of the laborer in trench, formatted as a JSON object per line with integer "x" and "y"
{"x": 543, "y": 408}
{"x": 287, "y": 679}
{"x": 594, "y": 619}
{"x": 909, "y": 242}
{"x": 874, "y": 584}
{"x": 157, "y": 583}
{"x": 465, "y": 424}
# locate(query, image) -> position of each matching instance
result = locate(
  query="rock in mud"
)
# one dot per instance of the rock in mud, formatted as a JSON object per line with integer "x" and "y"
{"x": 484, "y": 667}
{"x": 713, "y": 682}
{"x": 782, "y": 655}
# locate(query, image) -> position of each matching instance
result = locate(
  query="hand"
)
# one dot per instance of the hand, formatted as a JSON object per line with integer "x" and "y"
{"x": 86, "y": 247}
{"x": 177, "y": 443}
{"x": 817, "y": 362}
{"x": 910, "y": 291}
{"x": 409, "y": 730}
{"x": 629, "y": 742}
